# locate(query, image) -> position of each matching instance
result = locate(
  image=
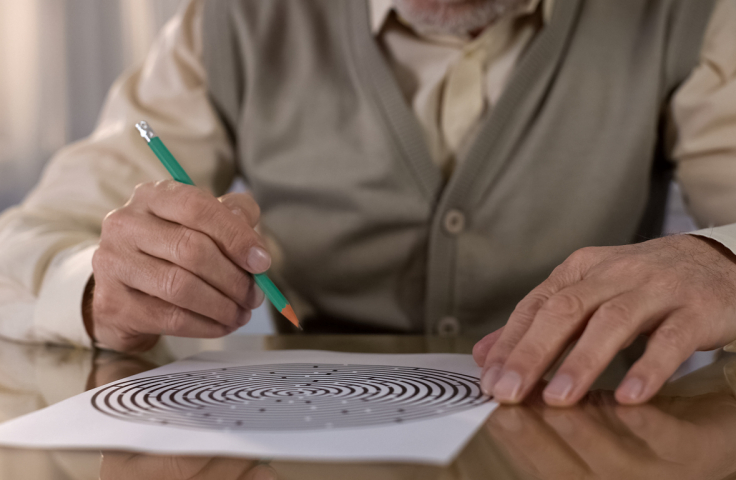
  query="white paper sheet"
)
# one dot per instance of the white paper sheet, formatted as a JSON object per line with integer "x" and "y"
{"x": 288, "y": 405}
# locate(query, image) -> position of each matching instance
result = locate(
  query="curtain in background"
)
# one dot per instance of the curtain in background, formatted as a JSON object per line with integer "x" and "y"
{"x": 58, "y": 58}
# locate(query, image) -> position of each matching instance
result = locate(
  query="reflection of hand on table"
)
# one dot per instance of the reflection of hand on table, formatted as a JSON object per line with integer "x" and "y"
{"x": 109, "y": 367}
{"x": 689, "y": 438}
{"x": 130, "y": 466}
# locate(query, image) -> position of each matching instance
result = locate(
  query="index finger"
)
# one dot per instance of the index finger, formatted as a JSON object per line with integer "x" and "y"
{"x": 196, "y": 209}
{"x": 497, "y": 346}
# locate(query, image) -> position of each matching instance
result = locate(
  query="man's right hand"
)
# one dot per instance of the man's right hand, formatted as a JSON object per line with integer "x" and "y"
{"x": 175, "y": 261}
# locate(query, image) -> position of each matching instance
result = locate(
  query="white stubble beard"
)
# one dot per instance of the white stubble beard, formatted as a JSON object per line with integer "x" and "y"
{"x": 454, "y": 17}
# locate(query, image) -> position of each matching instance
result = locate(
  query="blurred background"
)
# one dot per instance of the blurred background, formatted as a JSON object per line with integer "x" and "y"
{"x": 57, "y": 60}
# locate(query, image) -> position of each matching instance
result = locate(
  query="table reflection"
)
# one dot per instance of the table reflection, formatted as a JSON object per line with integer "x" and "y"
{"x": 126, "y": 466}
{"x": 687, "y": 432}
{"x": 672, "y": 437}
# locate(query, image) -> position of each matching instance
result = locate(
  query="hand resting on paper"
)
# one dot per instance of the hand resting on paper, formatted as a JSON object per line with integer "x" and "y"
{"x": 129, "y": 466}
{"x": 175, "y": 261}
{"x": 679, "y": 290}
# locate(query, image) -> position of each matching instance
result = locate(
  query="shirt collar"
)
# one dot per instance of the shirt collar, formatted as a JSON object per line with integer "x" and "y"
{"x": 380, "y": 10}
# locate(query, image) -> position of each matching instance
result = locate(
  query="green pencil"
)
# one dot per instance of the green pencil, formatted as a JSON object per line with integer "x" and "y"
{"x": 273, "y": 294}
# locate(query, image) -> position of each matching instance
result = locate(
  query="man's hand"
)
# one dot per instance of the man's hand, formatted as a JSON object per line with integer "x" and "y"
{"x": 175, "y": 261}
{"x": 679, "y": 290}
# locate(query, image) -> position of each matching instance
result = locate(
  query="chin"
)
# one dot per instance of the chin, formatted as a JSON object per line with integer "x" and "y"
{"x": 454, "y": 16}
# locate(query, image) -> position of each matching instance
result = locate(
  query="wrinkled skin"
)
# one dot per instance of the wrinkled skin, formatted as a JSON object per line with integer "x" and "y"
{"x": 679, "y": 290}
{"x": 177, "y": 261}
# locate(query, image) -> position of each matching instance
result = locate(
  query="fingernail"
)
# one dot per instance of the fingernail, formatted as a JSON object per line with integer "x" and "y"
{"x": 488, "y": 378}
{"x": 559, "y": 388}
{"x": 508, "y": 387}
{"x": 631, "y": 389}
{"x": 258, "y": 260}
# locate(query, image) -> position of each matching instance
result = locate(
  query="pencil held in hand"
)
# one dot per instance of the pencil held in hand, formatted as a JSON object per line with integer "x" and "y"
{"x": 273, "y": 294}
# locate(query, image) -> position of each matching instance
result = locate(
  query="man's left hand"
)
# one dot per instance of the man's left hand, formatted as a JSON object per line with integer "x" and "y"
{"x": 679, "y": 290}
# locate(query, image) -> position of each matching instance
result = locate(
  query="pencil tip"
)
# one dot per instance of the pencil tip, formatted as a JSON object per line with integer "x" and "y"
{"x": 288, "y": 312}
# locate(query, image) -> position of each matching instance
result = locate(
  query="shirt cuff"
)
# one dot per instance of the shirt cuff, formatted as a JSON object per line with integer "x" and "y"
{"x": 726, "y": 236}
{"x": 58, "y": 313}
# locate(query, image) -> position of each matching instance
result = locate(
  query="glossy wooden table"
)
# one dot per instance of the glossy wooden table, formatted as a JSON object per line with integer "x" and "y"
{"x": 687, "y": 432}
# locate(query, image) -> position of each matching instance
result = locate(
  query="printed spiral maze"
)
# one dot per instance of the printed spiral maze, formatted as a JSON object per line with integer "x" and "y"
{"x": 296, "y": 396}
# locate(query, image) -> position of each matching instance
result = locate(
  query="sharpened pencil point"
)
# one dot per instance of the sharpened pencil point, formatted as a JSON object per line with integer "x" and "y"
{"x": 288, "y": 312}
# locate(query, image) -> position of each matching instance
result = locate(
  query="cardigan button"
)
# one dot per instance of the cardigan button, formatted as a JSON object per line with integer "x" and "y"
{"x": 454, "y": 222}
{"x": 448, "y": 327}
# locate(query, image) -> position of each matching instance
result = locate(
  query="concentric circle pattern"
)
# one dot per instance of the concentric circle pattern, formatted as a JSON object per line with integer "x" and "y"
{"x": 296, "y": 396}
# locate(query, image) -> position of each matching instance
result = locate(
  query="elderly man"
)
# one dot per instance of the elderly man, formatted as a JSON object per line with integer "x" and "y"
{"x": 415, "y": 166}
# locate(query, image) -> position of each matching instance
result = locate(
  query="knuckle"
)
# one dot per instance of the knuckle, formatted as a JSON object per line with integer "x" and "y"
{"x": 175, "y": 319}
{"x": 582, "y": 255}
{"x": 174, "y": 283}
{"x": 582, "y": 361}
{"x": 190, "y": 247}
{"x": 115, "y": 221}
{"x": 98, "y": 260}
{"x": 142, "y": 190}
{"x": 498, "y": 354}
{"x": 164, "y": 186}
{"x": 104, "y": 301}
{"x": 528, "y": 307}
{"x": 529, "y": 354}
{"x": 501, "y": 350}
{"x": 197, "y": 206}
{"x": 103, "y": 262}
{"x": 673, "y": 337}
{"x": 235, "y": 239}
{"x": 564, "y": 305}
{"x": 613, "y": 314}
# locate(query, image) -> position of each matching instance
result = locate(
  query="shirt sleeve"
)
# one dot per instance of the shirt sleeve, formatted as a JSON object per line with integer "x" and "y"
{"x": 703, "y": 113}
{"x": 47, "y": 243}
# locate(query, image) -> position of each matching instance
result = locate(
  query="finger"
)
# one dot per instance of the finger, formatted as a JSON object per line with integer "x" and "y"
{"x": 242, "y": 204}
{"x": 195, "y": 252}
{"x": 613, "y": 325}
{"x": 670, "y": 345}
{"x": 559, "y": 320}
{"x": 568, "y": 273}
{"x": 198, "y": 210}
{"x": 178, "y": 287}
{"x": 480, "y": 350}
{"x": 150, "y": 315}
